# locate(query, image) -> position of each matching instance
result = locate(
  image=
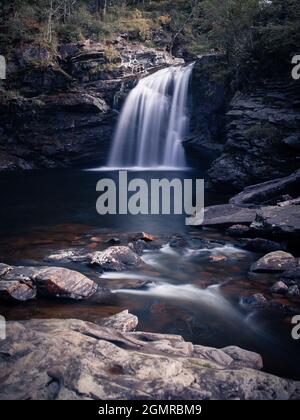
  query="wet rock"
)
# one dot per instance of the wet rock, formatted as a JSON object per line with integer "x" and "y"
{"x": 255, "y": 301}
{"x": 17, "y": 291}
{"x": 124, "y": 322}
{"x": 64, "y": 283}
{"x": 261, "y": 245}
{"x": 293, "y": 291}
{"x": 101, "y": 363}
{"x": 238, "y": 231}
{"x": 280, "y": 288}
{"x": 273, "y": 262}
{"x": 117, "y": 258}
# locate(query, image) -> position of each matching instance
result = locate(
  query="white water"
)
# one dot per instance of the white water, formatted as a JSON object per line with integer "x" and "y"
{"x": 153, "y": 122}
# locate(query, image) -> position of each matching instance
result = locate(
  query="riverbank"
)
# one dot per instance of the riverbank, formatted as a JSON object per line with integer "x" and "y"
{"x": 76, "y": 360}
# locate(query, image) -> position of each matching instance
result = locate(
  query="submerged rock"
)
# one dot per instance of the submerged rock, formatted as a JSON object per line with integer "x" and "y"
{"x": 255, "y": 301}
{"x": 87, "y": 361}
{"x": 278, "y": 261}
{"x": 117, "y": 258}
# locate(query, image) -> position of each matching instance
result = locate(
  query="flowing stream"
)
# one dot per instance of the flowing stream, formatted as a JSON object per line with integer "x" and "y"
{"x": 154, "y": 121}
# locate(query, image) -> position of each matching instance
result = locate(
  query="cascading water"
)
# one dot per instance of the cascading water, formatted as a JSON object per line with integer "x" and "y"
{"x": 154, "y": 121}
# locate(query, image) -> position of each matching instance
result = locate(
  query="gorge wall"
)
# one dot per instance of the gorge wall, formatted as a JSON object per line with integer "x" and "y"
{"x": 59, "y": 110}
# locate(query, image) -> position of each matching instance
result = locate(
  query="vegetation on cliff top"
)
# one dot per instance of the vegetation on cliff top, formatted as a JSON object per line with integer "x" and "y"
{"x": 250, "y": 32}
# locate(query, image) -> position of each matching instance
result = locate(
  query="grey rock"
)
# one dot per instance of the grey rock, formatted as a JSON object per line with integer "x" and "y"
{"x": 238, "y": 231}
{"x": 280, "y": 288}
{"x": 273, "y": 262}
{"x": 124, "y": 322}
{"x": 17, "y": 291}
{"x": 101, "y": 363}
{"x": 228, "y": 214}
{"x": 279, "y": 221}
{"x": 117, "y": 258}
{"x": 64, "y": 283}
{"x": 255, "y": 301}
{"x": 261, "y": 245}
{"x": 261, "y": 193}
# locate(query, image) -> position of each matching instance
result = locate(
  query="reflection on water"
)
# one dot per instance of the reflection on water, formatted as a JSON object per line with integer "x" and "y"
{"x": 191, "y": 292}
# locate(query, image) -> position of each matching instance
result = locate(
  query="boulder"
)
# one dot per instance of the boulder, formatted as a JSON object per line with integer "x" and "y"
{"x": 64, "y": 283}
{"x": 17, "y": 291}
{"x": 102, "y": 363}
{"x": 124, "y": 322}
{"x": 68, "y": 255}
{"x": 273, "y": 262}
{"x": 116, "y": 258}
{"x": 238, "y": 231}
{"x": 280, "y": 288}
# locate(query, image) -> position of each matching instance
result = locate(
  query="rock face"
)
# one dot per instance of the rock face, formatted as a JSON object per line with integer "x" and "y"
{"x": 278, "y": 261}
{"x": 260, "y": 123}
{"x": 25, "y": 283}
{"x": 116, "y": 258}
{"x": 76, "y": 360}
{"x": 210, "y": 95}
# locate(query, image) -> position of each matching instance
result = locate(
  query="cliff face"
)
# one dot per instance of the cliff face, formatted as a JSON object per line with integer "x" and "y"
{"x": 262, "y": 136}
{"x": 63, "y": 113}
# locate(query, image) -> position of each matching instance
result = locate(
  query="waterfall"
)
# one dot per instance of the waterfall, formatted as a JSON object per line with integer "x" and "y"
{"x": 154, "y": 121}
